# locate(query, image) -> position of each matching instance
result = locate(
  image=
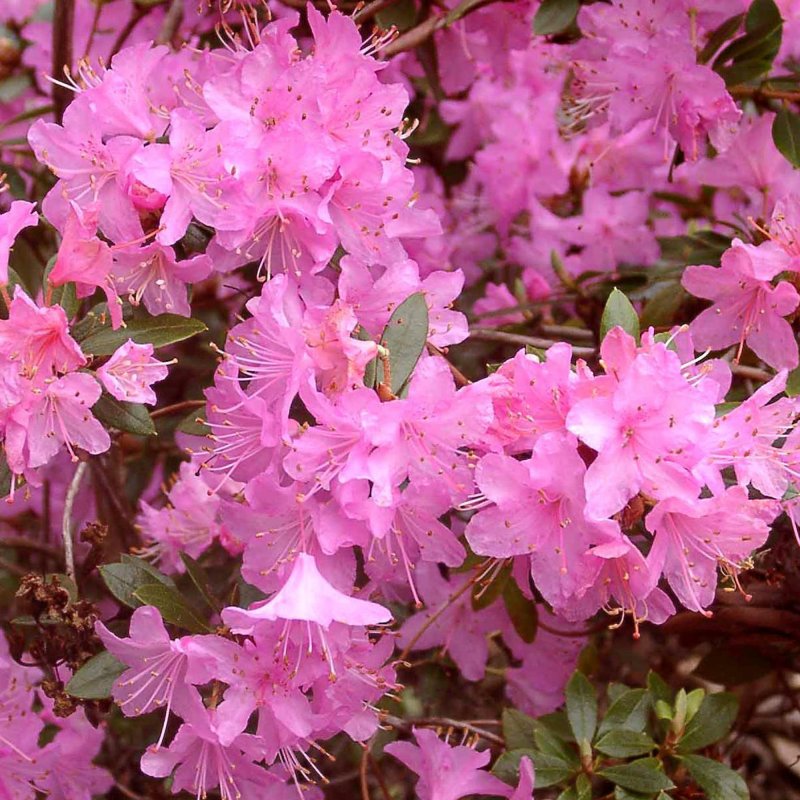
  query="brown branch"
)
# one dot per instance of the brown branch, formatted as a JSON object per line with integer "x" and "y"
{"x": 485, "y": 334}
{"x": 176, "y": 408}
{"x": 371, "y": 9}
{"x": 63, "y": 27}
{"x": 23, "y": 543}
{"x": 171, "y": 22}
{"x": 442, "y": 722}
{"x": 460, "y": 378}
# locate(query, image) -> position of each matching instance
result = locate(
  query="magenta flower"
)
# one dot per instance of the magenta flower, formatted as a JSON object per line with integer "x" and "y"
{"x": 308, "y": 597}
{"x": 747, "y": 307}
{"x": 131, "y": 371}
{"x": 21, "y": 215}
{"x": 37, "y": 337}
{"x": 691, "y": 539}
{"x": 449, "y": 773}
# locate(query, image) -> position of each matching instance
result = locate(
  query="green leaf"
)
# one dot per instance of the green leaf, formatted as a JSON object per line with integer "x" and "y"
{"x": 405, "y": 336}
{"x": 555, "y": 16}
{"x": 661, "y": 308}
{"x": 786, "y": 135}
{"x": 619, "y": 312}
{"x": 643, "y": 775}
{"x": 200, "y": 580}
{"x": 93, "y": 681}
{"x": 793, "y": 383}
{"x": 719, "y": 36}
{"x": 581, "y": 707}
{"x": 702, "y": 247}
{"x": 484, "y": 594}
{"x": 658, "y": 689}
{"x": 711, "y": 723}
{"x": 550, "y": 770}
{"x": 507, "y": 766}
{"x": 624, "y": 743}
{"x": 194, "y": 423}
{"x": 128, "y": 417}
{"x": 625, "y": 794}
{"x": 65, "y": 296}
{"x": 628, "y": 711}
{"x": 735, "y": 665}
{"x": 522, "y": 611}
{"x": 371, "y": 370}
{"x": 751, "y": 55}
{"x": 518, "y": 729}
{"x": 125, "y": 577}
{"x": 173, "y": 607}
{"x": 716, "y": 780}
{"x": 159, "y": 331}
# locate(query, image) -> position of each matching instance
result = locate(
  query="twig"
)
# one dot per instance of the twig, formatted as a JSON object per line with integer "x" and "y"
{"x": 176, "y": 408}
{"x": 458, "y": 375}
{"x": 137, "y": 15}
{"x": 376, "y": 770}
{"x": 362, "y": 774}
{"x": 443, "y": 722}
{"x": 516, "y": 338}
{"x": 567, "y": 332}
{"x": 754, "y": 373}
{"x": 371, "y": 9}
{"x": 171, "y": 22}
{"x": 23, "y": 543}
{"x": 439, "y": 611}
{"x": 66, "y": 523}
{"x": 63, "y": 26}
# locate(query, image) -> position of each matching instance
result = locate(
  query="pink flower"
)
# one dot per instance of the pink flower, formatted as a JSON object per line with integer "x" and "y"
{"x": 130, "y": 372}
{"x": 307, "y": 596}
{"x": 152, "y": 274}
{"x": 60, "y": 415}
{"x": 647, "y": 422}
{"x": 37, "y": 337}
{"x": 449, "y": 773}
{"x": 692, "y": 538}
{"x": 21, "y": 215}
{"x": 747, "y": 307}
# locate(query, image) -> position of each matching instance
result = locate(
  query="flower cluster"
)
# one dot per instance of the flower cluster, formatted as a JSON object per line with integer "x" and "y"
{"x": 371, "y": 467}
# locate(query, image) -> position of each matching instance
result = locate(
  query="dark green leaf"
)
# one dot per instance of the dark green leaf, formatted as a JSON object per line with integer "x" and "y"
{"x": 518, "y": 729}
{"x": 762, "y": 14}
{"x": 200, "y": 580}
{"x": 125, "y": 577}
{"x": 64, "y": 296}
{"x": 194, "y": 423}
{"x": 404, "y": 337}
{"x": 703, "y": 247}
{"x": 14, "y": 181}
{"x": 159, "y": 331}
{"x": 793, "y": 383}
{"x": 484, "y": 594}
{"x": 735, "y": 664}
{"x": 716, "y": 780}
{"x": 658, "y": 689}
{"x": 619, "y": 312}
{"x": 128, "y": 417}
{"x": 522, "y": 611}
{"x": 581, "y": 707}
{"x": 625, "y": 794}
{"x": 711, "y": 723}
{"x": 786, "y": 135}
{"x": 628, "y": 711}
{"x": 174, "y": 609}
{"x": 643, "y": 775}
{"x": 93, "y": 681}
{"x": 624, "y": 743}
{"x": 751, "y": 56}
{"x": 661, "y": 308}
{"x": 550, "y": 770}
{"x": 718, "y": 37}
{"x": 555, "y": 16}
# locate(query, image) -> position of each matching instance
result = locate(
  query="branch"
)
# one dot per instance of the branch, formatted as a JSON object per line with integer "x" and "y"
{"x": 443, "y": 722}
{"x": 488, "y": 335}
{"x": 171, "y": 22}
{"x": 66, "y": 522}
{"x": 63, "y": 27}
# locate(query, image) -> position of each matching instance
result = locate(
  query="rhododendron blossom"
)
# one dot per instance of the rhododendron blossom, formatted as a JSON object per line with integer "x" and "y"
{"x": 399, "y": 399}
